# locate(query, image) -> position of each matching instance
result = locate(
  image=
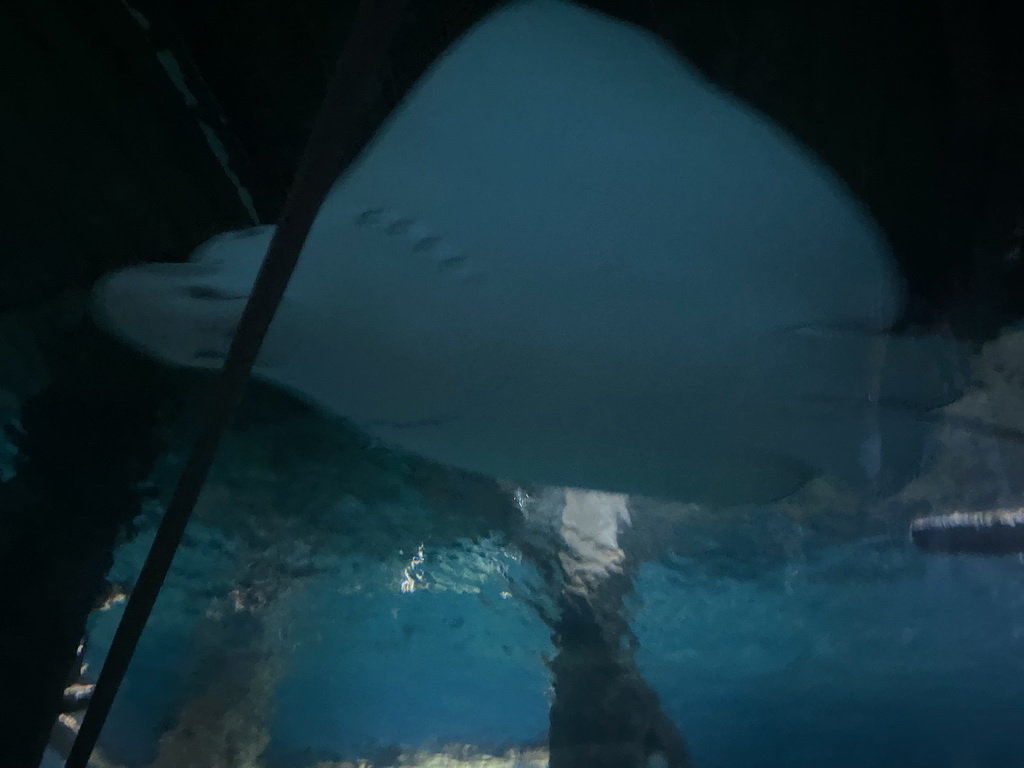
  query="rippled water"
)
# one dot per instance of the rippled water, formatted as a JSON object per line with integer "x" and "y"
{"x": 311, "y": 617}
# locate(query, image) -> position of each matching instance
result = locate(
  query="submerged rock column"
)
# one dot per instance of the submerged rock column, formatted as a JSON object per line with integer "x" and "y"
{"x": 604, "y": 715}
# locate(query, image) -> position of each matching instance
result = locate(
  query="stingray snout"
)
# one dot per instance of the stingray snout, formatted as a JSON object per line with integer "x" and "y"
{"x": 175, "y": 312}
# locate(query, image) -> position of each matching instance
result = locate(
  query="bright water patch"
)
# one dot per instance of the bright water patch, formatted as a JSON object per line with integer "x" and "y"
{"x": 428, "y": 647}
{"x": 448, "y": 663}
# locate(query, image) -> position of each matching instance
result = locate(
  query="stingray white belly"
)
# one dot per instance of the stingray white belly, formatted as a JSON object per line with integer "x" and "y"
{"x": 566, "y": 258}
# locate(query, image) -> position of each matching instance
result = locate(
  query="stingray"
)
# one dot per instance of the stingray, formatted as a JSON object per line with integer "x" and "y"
{"x": 568, "y": 259}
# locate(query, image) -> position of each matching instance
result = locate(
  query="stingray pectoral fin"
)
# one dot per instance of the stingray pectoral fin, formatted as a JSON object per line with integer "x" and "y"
{"x": 767, "y": 481}
{"x": 857, "y": 404}
{"x": 815, "y": 362}
{"x": 741, "y": 479}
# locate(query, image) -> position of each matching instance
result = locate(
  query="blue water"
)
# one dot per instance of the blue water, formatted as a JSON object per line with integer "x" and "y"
{"x": 827, "y": 666}
{"x": 456, "y": 660}
{"x": 856, "y": 654}
{"x": 863, "y": 655}
{"x": 413, "y": 669}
